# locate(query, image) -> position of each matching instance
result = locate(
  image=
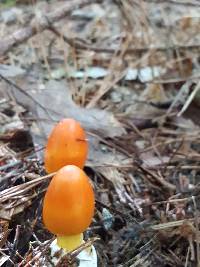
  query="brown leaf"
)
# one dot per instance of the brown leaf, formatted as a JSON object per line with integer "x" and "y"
{"x": 55, "y": 102}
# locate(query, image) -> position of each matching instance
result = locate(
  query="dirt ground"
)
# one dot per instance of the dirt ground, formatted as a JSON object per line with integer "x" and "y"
{"x": 128, "y": 71}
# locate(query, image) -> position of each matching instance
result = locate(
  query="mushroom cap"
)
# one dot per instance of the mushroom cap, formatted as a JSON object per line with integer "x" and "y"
{"x": 69, "y": 202}
{"x": 66, "y": 145}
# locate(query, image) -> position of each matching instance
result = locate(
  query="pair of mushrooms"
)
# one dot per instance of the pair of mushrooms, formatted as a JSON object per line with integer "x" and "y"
{"x": 68, "y": 206}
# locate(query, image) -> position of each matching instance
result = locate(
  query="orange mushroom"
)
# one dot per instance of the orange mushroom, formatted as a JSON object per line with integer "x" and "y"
{"x": 66, "y": 145}
{"x": 68, "y": 206}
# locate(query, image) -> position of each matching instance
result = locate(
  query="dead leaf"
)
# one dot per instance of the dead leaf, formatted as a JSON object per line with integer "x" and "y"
{"x": 55, "y": 102}
{"x": 117, "y": 179}
{"x": 7, "y": 214}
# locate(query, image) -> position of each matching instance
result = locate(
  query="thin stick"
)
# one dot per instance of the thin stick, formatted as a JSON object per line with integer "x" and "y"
{"x": 190, "y": 98}
{"x": 162, "y": 226}
{"x": 40, "y": 24}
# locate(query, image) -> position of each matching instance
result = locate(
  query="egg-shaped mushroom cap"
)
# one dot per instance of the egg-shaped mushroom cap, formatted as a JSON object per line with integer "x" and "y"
{"x": 69, "y": 202}
{"x": 66, "y": 145}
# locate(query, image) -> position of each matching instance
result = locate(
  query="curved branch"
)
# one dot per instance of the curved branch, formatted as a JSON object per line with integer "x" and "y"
{"x": 40, "y": 24}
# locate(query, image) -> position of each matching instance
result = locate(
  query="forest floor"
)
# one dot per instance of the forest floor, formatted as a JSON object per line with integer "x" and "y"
{"x": 128, "y": 71}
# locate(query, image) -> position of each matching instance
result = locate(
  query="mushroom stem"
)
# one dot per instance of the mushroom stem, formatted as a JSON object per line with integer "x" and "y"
{"x": 70, "y": 242}
{"x": 87, "y": 258}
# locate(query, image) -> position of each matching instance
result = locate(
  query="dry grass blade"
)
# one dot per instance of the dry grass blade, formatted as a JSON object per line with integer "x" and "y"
{"x": 115, "y": 75}
{"x": 167, "y": 225}
{"x": 22, "y": 188}
{"x": 159, "y": 179}
{"x": 190, "y": 98}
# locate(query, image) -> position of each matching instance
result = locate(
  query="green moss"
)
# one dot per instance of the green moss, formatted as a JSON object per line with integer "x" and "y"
{"x": 7, "y": 3}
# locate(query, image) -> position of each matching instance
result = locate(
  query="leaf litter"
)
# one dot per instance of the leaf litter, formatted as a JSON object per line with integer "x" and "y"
{"x": 139, "y": 106}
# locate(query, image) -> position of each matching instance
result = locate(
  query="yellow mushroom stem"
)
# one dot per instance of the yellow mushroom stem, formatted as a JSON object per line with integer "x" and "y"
{"x": 70, "y": 242}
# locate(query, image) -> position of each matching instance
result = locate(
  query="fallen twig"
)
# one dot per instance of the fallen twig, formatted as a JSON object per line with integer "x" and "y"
{"x": 40, "y": 24}
{"x": 190, "y": 98}
{"x": 167, "y": 225}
